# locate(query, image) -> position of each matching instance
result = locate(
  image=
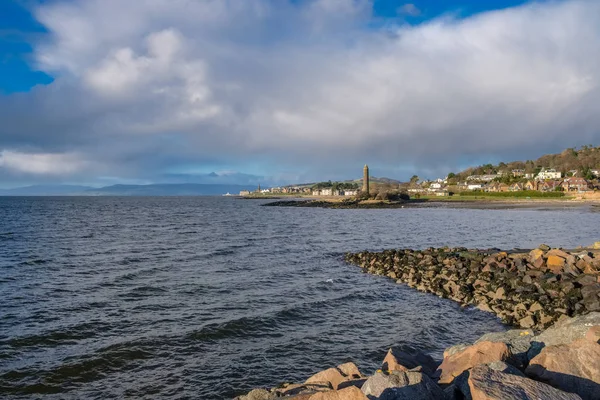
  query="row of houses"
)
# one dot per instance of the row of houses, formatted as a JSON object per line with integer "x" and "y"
{"x": 573, "y": 184}
{"x": 543, "y": 175}
{"x": 332, "y": 192}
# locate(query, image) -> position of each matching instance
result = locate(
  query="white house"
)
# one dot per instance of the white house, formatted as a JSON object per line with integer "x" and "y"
{"x": 596, "y": 172}
{"x": 548, "y": 174}
{"x": 475, "y": 186}
{"x": 436, "y": 185}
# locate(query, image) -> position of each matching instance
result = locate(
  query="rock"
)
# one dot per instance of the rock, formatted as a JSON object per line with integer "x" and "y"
{"x": 593, "y": 334}
{"x": 596, "y": 245}
{"x": 401, "y": 385}
{"x": 351, "y": 393}
{"x": 527, "y": 322}
{"x": 555, "y": 264}
{"x": 591, "y": 296}
{"x": 405, "y": 357}
{"x": 501, "y": 366}
{"x": 565, "y": 331}
{"x": 353, "y": 382}
{"x": 455, "y": 349}
{"x": 574, "y": 368}
{"x": 558, "y": 253}
{"x": 544, "y": 247}
{"x": 462, "y": 381}
{"x": 487, "y": 384}
{"x": 479, "y": 353}
{"x": 259, "y": 394}
{"x": 311, "y": 388}
{"x": 517, "y": 340}
{"x": 349, "y": 370}
{"x": 335, "y": 376}
{"x": 535, "y": 254}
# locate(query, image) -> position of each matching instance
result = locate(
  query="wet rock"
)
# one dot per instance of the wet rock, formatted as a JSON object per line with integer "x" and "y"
{"x": 574, "y": 368}
{"x": 351, "y": 393}
{"x": 401, "y": 385}
{"x": 479, "y": 353}
{"x": 487, "y": 384}
{"x": 405, "y": 358}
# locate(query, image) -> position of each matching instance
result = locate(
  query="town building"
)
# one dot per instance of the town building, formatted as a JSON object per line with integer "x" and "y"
{"x": 549, "y": 174}
{"x": 549, "y": 186}
{"x": 475, "y": 186}
{"x": 515, "y": 187}
{"x": 575, "y": 185}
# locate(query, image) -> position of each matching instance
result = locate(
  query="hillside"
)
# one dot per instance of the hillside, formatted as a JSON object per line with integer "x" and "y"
{"x": 583, "y": 160}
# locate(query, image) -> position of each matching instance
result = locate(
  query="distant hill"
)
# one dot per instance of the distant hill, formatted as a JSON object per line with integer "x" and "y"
{"x": 583, "y": 160}
{"x": 178, "y": 189}
{"x": 45, "y": 190}
{"x": 183, "y": 189}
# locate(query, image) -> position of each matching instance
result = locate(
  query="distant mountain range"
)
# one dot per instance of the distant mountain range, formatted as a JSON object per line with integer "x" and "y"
{"x": 176, "y": 189}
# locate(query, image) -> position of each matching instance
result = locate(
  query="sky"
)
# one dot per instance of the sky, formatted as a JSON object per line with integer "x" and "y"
{"x": 99, "y": 92}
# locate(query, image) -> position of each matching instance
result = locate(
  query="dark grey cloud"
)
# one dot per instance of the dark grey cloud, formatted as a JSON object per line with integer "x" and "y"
{"x": 148, "y": 89}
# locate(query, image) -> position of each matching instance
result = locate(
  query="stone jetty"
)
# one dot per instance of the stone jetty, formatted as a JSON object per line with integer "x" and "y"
{"x": 531, "y": 289}
{"x": 551, "y": 295}
{"x": 560, "y": 363}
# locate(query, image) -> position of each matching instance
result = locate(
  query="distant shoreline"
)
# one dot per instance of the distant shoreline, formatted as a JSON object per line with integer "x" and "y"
{"x": 491, "y": 203}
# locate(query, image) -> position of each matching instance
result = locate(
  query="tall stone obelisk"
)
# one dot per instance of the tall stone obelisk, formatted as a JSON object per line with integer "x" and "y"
{"x": 365, "y": 188}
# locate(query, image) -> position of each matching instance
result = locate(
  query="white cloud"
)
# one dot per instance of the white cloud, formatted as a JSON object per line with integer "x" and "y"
{"x": 409, "y": 9}
{"x": 233, "y": 81}
{"x": 41, "y": 163}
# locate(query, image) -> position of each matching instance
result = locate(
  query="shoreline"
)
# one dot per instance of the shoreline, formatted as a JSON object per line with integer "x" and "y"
{"x": 551, "y": 295}
{"x": 499, "y": 204}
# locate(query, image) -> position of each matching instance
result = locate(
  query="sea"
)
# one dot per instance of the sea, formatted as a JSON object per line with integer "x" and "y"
{"x": 209, "y": 297}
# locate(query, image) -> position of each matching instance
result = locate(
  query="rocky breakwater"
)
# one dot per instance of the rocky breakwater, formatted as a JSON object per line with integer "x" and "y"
{"x": 530, "y": 289}
{"x": 561, "y": 363}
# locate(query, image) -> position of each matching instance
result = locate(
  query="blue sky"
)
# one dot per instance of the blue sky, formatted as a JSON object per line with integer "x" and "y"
{"x": 107, "y": 91}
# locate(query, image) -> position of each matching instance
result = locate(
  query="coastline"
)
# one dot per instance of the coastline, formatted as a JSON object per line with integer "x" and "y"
{"x": 489, "y": 203}
{"x": 552, "y": 296}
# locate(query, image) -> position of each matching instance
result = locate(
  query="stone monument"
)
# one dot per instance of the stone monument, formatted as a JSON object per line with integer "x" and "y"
{"x": 365, "y": 188}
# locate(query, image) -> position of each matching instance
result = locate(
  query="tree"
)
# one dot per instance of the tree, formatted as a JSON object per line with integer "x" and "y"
{"x": 451, "y": 175}
{"x": 414, "y": 179}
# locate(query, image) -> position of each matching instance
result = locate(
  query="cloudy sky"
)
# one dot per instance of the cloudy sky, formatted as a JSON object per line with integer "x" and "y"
{"x": 140, "y": 91}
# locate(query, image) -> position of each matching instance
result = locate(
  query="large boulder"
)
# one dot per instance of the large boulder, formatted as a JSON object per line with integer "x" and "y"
{"x": 565, "y": 331}
{"x": 350, "y": 393}
{"x": 573, "y": 368}
{"x": 461, "y": 382}
{"x": 337, "y": 375}
{"x": 479, "y": 353}
{"x": 487, "y": 384}
{"x": 405, "y": 358}
{"x": 401, "y": 385}
{"x": 517, "y": 340}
